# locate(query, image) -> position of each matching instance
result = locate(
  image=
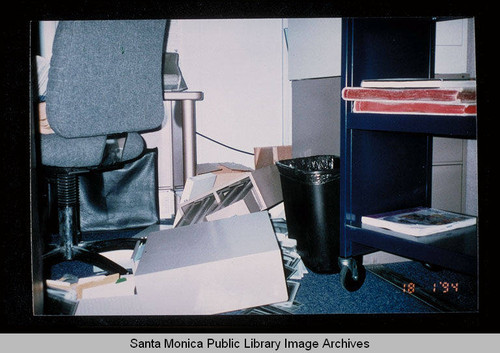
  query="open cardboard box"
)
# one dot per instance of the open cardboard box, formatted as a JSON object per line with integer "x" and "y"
{"x": 222, "y": 190}
{"x": 204, "y": 268}
{"x": 229, "y": 194}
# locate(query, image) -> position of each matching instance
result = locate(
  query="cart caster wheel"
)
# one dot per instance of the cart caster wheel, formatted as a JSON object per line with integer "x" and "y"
{"x": 352, "y": 273}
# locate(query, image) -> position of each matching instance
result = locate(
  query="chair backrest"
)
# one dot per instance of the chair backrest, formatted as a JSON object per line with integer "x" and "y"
{"x": 105, "y": 77}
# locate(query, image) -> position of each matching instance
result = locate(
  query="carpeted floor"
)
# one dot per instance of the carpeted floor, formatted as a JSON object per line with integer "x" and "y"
{"x": 323, "y": 294}
{"x": 403, "y": 287}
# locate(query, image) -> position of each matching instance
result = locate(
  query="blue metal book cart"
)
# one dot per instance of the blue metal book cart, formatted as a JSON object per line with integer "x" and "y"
{"x": 386, "y": 159}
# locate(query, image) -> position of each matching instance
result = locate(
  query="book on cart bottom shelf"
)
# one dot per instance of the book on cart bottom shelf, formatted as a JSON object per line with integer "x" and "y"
{"x": 419, "y": 221}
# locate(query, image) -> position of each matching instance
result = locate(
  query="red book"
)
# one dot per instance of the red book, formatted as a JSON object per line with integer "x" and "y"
{"x": 393, "y": 107}
{"x": 460, "y": 95}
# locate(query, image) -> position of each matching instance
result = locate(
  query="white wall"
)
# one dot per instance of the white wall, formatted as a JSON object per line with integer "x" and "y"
{"x": 238, "y": 64}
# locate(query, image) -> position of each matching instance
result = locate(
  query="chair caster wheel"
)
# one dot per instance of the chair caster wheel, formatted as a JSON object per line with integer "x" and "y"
{"x": 352, "y": 273}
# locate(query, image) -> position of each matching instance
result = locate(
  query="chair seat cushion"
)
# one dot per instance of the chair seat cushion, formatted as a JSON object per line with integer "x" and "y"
{"x": 58, "y": 151}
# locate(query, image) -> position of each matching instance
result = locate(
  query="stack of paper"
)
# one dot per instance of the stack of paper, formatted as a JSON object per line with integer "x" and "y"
{"x": 294, "y": 272}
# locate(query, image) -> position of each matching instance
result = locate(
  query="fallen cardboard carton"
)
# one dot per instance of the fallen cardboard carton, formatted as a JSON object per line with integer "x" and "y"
{"x": 205, "y": 268}
{"x": 247, "y": 192}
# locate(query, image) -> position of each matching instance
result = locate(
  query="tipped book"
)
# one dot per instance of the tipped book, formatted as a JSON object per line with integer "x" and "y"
{"x": 419, "y": 221}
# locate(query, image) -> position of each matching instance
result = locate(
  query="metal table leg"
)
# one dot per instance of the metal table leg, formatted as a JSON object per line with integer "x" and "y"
{"x": 188, "y": 100}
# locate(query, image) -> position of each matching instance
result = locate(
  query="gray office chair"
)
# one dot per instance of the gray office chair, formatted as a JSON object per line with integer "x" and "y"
{"x": 105, "y": 86}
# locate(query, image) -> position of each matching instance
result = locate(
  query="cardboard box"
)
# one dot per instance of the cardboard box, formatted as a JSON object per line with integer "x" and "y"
{"x": 265, "y": 156}
{"x": 225, "y": 173}
{"x": 245, "y": 192}
{"x": 205, "y": 268}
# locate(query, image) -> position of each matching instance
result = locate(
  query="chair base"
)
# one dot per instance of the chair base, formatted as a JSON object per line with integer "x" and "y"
{"x": 89, "y": 253}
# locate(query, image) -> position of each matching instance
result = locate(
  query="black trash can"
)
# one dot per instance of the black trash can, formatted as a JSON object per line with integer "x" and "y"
{"x": 311, "y": 195}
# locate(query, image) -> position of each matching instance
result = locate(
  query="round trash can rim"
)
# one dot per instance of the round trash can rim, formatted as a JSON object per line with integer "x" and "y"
{"x": 285, "y": 164}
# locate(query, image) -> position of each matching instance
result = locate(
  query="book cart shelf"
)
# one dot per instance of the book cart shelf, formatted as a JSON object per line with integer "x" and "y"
{"x": 386, "y": 159}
